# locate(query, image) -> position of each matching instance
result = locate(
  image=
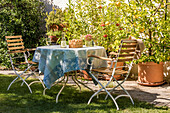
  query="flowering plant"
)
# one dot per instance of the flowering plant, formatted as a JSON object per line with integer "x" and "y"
{"x": 98, "y": 21}
{"x": 88, "y": 37}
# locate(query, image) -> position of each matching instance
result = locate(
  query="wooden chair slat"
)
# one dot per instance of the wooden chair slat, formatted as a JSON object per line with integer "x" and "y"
{"x": 129, "y": 46}
{"x": 17, "y": 40}
{"x": 120, "y": 72}
{"x": 7, "y": 37}
{"x": 103, "y": 70}
{"x": 126, "y": 55}
{"x": 129, "y": 41}
{"x": 109, "y": 71}
{"x": 103, "y": 58}
{"x": 30, "y": 62}
{"x": 126, "y": 59}
{"x": 13, "y": 48}
{"x": 18, "y": 51}
{"x": 127, "y": 50}
{"x": 15, "y": 44}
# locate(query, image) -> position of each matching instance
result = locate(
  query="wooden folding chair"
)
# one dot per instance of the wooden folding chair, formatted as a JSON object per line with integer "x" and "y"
{"x": 16, "y": 50}
{"x": 126, "y": 54}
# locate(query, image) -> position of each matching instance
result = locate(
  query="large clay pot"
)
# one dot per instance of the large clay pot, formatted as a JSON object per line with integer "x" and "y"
{"x": 150, "y": 74}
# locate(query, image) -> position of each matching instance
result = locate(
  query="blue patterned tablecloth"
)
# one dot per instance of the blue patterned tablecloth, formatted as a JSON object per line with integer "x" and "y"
{"x": 55, "y": 61}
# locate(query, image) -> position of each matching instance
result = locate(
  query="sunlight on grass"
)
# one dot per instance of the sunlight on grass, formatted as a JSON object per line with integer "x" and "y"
{"x": 19, "y": 100}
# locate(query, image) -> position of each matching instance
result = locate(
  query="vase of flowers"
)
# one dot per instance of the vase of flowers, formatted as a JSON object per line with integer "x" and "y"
{"x": 88, "y": 40}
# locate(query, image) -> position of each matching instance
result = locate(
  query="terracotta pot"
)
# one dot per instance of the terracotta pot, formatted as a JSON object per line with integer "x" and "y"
{"x": 54, "y": 27}
{"x": 117, "y": 77}
{"x": 53, "y": 38}
{"x": 86, "y": 76}
{"x": 118, "y": 64}
{"x": 150, "y": 74}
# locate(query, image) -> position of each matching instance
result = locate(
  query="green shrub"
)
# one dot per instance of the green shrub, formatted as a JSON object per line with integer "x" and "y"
{"x": 25, "y": 18}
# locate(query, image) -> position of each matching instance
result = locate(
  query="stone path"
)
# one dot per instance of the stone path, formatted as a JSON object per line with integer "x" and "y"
{"x": 159, "y": 95}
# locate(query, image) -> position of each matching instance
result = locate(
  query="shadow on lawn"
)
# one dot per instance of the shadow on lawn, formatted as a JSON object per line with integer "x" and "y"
{"x": 18, "y": 99}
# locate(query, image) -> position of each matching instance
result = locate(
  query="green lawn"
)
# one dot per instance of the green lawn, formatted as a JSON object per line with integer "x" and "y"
{"x": 19, "y": 100}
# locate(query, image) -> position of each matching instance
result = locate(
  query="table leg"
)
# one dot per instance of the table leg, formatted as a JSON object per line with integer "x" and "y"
{"x": 62, "y": 88}
{"x": 59, "y": 81}
{"x": 75, "y": 80}
{"x": 82, "y": 83}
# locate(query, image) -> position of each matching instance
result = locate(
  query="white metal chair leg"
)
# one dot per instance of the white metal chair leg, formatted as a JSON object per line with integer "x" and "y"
{"x": 37, "y": 81}
{"x": 61, "y": 89}
{"x": 19, "y": 76}
{"x": 12, "y": 83}
{"x": 125, "y": 96}
{"x": 41, "y": 82}
{"x": 26, "y": 84}
{"x": 106, "y": 92}
{"x": 117, "y": 85}
{"x": 113, "y": 89}
{"x": 26, "y": 79}
{"x": 128, "y": 95}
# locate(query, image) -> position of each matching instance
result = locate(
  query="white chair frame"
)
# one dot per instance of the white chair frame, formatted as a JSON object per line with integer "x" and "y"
{"x": 20, "y": 49}
{"x": 113, "y": 78}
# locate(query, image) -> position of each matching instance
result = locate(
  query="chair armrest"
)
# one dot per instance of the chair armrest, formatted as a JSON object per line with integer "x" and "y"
{"x": 102, "y": 58}
{"x": 113, "y": 53}
{"x": 31, "y": 49}
{"x": 28, "y": 51}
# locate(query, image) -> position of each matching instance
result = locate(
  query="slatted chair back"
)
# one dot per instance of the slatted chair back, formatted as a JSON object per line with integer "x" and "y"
{"x": 126, "y": 54}
{"x": 15, "y": 44}
{"x": 16, "y": 50}
{"x": 127, "y": 50}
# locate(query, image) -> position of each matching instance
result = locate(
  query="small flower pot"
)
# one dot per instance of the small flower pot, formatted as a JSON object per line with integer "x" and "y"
{"x": 53, "y": 38}
{"x": 86, "y": 76}
{"x": 88, "y": 43}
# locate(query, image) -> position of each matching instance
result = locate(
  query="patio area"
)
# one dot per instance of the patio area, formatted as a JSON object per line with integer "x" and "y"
{"x": 84, "y": 49}
{"x": 159, "y": 95}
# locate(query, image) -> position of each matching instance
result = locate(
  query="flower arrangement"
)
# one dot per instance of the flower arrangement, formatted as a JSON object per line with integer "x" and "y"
{"x": 88, "y": 37}
{"x": 88, "y": 40}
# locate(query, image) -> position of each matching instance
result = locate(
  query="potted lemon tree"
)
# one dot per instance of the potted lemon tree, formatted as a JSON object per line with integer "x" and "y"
{"x": 147, "y": 21}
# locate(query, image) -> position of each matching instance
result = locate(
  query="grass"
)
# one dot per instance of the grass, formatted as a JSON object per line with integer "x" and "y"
{"x": 19, "y": 100}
